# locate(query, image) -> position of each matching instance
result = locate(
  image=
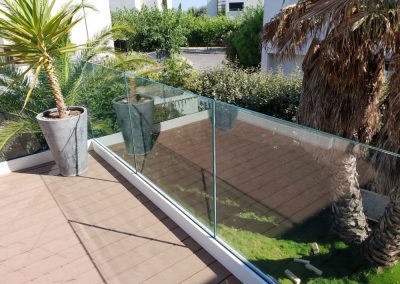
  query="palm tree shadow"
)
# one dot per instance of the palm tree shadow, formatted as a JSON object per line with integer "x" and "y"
{"x": 339, "y": 263}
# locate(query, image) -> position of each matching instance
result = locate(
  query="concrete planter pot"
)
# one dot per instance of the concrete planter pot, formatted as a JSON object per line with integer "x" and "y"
{"x": 226, "y": 116}
{"x": 67, "y": 140}
{"x": 136, "y": 124}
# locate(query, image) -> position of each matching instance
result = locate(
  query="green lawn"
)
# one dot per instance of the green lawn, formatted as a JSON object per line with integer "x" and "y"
{"x": 340, "y": 263}
{"x": 242, "y": 223}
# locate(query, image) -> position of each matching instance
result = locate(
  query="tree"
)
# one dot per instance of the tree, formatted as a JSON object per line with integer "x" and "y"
{"x": 341, "y": 93}
{"x": 383, "y": 245}
{"x": 343, "y": 74}
{"x": 244, "y": 44}
{"x": 37, "y": 36}
{"x": 197, "y": 11}
{"x": 75, "y": 76}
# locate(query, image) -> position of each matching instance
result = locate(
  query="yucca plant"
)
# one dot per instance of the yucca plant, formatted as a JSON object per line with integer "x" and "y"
{"x": 36, "y": 36}
{"x": 100, "y": 85}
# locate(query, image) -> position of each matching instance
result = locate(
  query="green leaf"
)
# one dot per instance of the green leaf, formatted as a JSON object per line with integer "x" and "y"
{"x": 10, "y": 130}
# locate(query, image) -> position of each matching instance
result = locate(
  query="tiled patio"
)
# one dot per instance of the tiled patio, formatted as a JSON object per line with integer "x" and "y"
{"x": 261, "y": 171}
{"x": 96, "y": 228}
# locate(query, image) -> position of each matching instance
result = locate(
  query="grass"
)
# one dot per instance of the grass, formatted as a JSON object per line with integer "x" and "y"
{"x": 251, "y": 229}
{"x": 340, "y": 263}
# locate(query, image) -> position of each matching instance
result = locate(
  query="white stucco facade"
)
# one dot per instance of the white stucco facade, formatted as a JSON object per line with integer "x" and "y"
{"x": 96, "y": 20}
{"x": 270, "y": 60}
{"x": 129, "y": 4}
{"x": 231, "y": 7}
{"x": 212, "y": 8}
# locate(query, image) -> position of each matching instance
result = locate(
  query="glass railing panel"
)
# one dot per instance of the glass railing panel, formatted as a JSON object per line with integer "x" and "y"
{"x": 25, "y": 144}
{"x": 276, "y": 184}
{"x": 149, "y": 126}
{"x": 171, "y": 137}
{"x": 105, "y": 93}
{"x": 12, "y": 120}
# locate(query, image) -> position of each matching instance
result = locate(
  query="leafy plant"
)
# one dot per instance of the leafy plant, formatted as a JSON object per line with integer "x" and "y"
{"x": 169, "y": 29}
{"x": 38, "y": 36}
{"x": 208, "y": 31}
{"x": 270, "y": 93}
{"x": 152, "y": 29}
{"x": 244, "y": 44}
{"x": 75, "y": 77}
{"x": 176, "y": 72}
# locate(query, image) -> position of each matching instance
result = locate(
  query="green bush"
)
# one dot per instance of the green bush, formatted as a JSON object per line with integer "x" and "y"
{"x": 270, "y": 93}
{"x": 176, "y": 72}
{"x": 167, "y": 30}
{"x": 207, "y": 31}
{"x": 152, "y": 29}
{"x": 244, "y": 43}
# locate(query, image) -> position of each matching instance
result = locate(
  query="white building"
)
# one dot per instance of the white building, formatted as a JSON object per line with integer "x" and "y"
{"x": 229, "y": 7}
{"x": 93, "y": 22}
{"x": 270, "y": 60}
{"x": 129, "y": 4}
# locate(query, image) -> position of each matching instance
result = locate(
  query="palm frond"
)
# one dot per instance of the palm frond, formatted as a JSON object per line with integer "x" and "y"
{"x": 36, "y": 35}
{"x": 373, "y": 24}
{"x": 12, "y": 129}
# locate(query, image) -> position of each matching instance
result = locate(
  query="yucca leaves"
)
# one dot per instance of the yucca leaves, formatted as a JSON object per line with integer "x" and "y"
{"x": 12, "y": 129}
{"x": 36, "y": 36}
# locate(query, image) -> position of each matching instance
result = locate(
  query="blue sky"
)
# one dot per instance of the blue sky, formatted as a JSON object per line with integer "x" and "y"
{"x": 188, "y": 3}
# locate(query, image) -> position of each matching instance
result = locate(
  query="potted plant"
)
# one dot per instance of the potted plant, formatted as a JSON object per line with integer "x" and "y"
{"x": 135, "y": 119}
{"x": 36, "y": 36}
{"x": 225, "y": 116}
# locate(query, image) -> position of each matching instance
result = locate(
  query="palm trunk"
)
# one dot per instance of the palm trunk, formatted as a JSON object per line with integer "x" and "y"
{"x": 350, "y": 222}
{"x": 383, "y": 246}
{"x": 339, "y": 99}
{"x": 55, "y": 86}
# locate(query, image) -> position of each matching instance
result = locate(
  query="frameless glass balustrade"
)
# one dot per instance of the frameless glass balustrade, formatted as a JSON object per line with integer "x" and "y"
{"x": 263, "y": 187}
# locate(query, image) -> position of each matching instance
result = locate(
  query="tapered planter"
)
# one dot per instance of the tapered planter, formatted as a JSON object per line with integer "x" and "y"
{"x": 225, "y": 116}
{"x": 67, "y": 139}
{"x": 136, "y": 123}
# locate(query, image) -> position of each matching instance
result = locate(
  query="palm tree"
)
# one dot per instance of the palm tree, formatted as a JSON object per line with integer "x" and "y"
{"x": 342, "y": 89}
{"x": 37, "y": 36}
{"x": 383, "y": 245}
{"x": 341, "y": 93}
{"x": 74, "y": 77}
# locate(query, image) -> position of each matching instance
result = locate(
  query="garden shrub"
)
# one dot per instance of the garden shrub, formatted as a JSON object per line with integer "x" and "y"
{"x": 167, "y": 30}
{"x": 274, "y": 94}
{"x": 207, "y": 31}
{"x": 244, "y": 43}
{"x": 176, "y": 71}
{"x": 152, "y": 29}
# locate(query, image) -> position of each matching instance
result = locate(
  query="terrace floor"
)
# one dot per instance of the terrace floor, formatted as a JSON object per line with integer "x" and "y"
{"x": 259, "y": 173}
{"x": 273, "y": 193}
{"x": 96, "y": 228}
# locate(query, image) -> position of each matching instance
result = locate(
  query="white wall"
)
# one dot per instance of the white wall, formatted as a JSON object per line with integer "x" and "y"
{"x": 96, "y": 20}
{"x": 129, "y": 4}
{"x": 157, "y": 3}
{"x": 212, "y": 8}
{"x": 246, "y": 4}
{"x": 270, "y": 60}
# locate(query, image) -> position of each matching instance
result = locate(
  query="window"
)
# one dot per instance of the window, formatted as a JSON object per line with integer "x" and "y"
{"x": 236, "y": 6}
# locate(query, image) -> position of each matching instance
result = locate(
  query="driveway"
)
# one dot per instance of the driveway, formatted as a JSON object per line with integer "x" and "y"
{"x": 202, "y": 58}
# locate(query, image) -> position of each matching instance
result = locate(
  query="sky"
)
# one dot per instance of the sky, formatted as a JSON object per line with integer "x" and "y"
{"x": 188, "y": 3}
